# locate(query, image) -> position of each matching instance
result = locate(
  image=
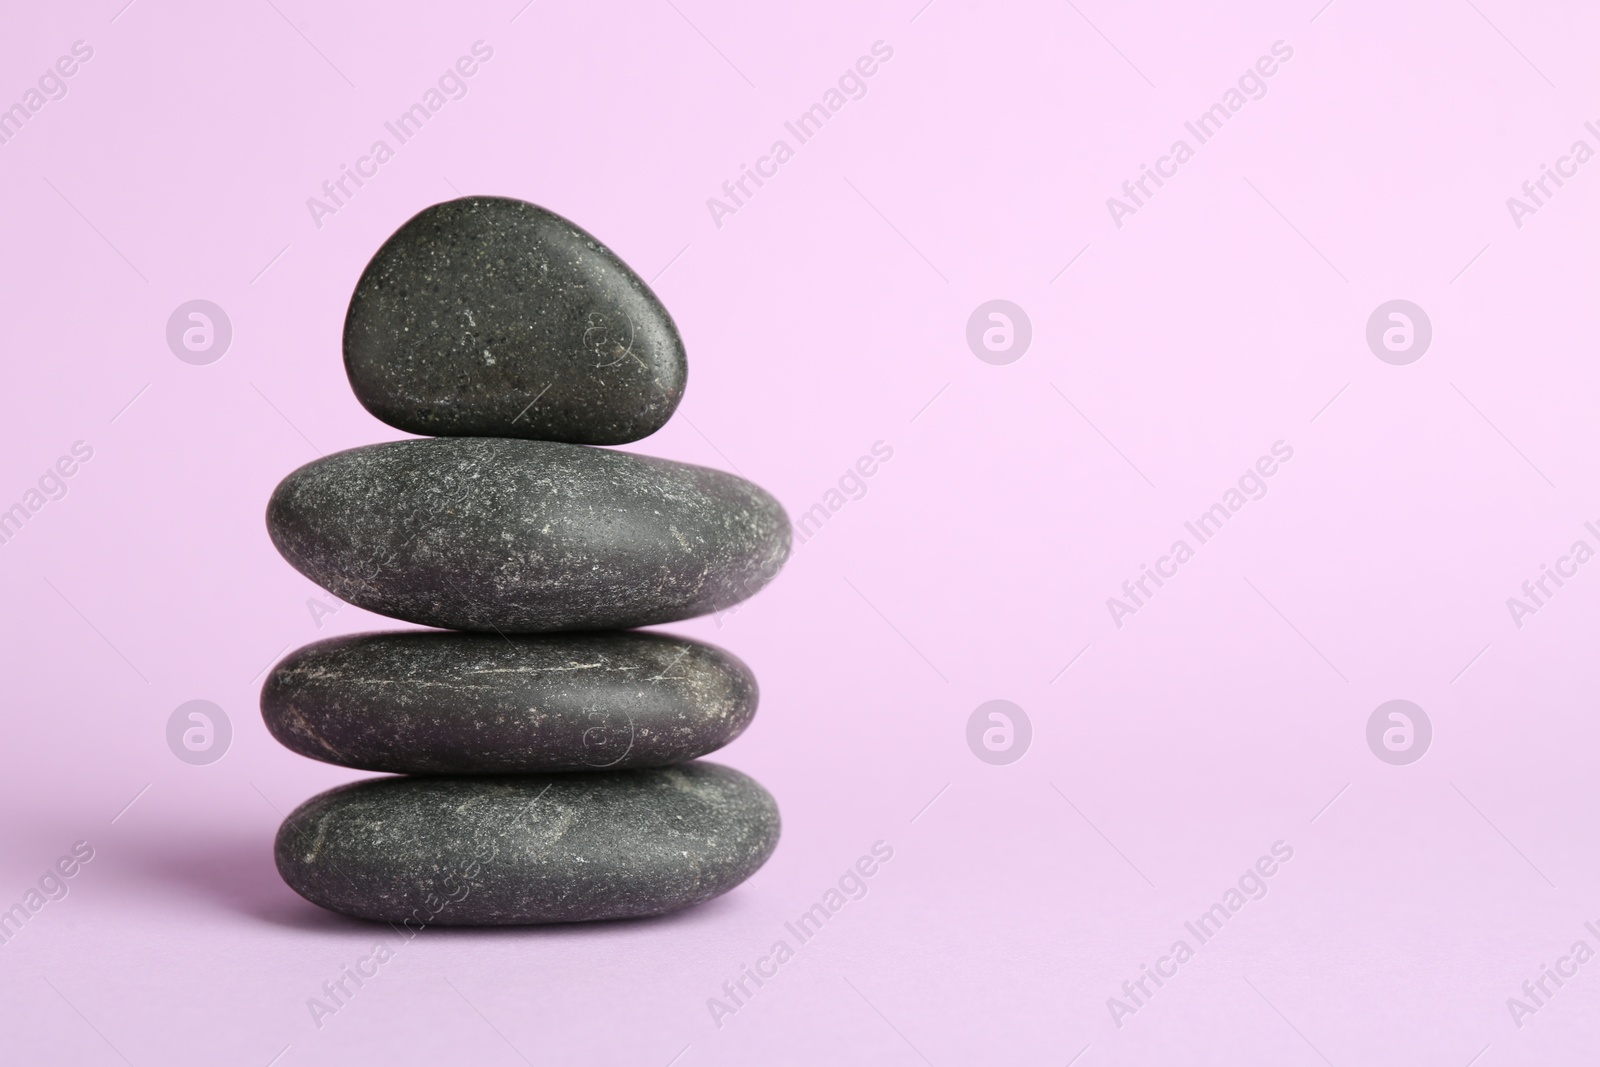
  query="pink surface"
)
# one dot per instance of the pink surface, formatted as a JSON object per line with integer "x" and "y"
{"x": 827, "y": 313}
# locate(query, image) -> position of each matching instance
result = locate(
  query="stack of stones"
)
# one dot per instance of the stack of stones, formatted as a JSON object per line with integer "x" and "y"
{"x": 546, "y": 751}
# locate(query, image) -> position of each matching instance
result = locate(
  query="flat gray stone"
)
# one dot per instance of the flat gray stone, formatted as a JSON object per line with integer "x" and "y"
{"x": 526, "y": 536}
{"x": 489, "y": 317}
{"x": 529, "y": 848}
{"x": 423, "y": 702}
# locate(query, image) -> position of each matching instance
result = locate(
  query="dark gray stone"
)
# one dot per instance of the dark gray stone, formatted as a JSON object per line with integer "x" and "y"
{"x": 529, "y": 848}
{"x": 421, "y": 702}
{"x": 526, "y": 536}
{"x": 489, "y": 317}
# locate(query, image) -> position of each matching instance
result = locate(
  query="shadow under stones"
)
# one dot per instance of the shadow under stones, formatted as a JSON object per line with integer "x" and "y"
{"x": 234, "y": 874}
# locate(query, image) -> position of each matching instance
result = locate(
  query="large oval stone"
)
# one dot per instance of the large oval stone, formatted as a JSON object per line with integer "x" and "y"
{"x": 528, "y": 848}
{"x": 422, "y": 702}
{"x": 491, "y": 317}
{"x": 526, "y": 536}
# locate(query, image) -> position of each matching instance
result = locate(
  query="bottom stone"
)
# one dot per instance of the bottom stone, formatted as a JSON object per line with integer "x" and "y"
{"x": 549, "y": 848}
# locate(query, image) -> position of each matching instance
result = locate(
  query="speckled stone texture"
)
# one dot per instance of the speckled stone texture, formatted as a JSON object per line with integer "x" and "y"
{"x": 450, "y": 703}
{"x": 529, "y": 848}
{"x": 526, "y": 536}
{"x": 490, "y": 317}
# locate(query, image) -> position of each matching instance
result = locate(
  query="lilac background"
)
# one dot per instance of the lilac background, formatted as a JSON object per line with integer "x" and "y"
{"x": 827, "y": 314}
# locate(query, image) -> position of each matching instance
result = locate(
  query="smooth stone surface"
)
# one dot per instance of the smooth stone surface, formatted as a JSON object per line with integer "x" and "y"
{"x": 423, "y": 702}
{"x": 529, "y": 848}
{"x": 526, "y": 536}
{"x": 489, "y": 317}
